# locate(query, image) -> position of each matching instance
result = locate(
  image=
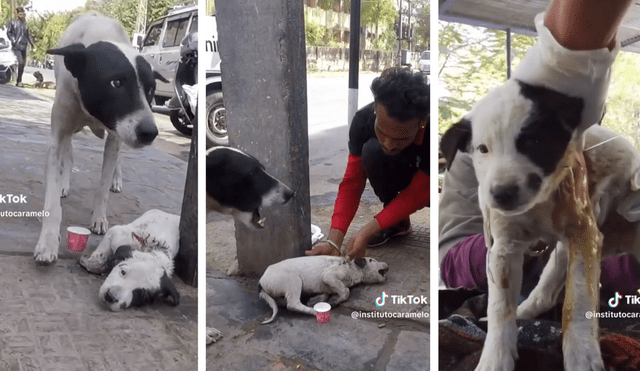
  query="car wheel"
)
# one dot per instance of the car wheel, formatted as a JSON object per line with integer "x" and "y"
{"x": 216, "y": 120}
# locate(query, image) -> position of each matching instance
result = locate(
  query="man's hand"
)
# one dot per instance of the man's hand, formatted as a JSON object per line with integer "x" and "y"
{"x": 357, "y": 246}
{"x": 322, "y": 248}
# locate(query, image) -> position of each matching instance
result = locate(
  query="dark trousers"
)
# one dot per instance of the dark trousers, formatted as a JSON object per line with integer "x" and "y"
{"x": 388, "y": 175}
{"x": 21, "y": 55}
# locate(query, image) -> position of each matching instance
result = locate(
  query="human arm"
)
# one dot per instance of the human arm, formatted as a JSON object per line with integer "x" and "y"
{"x": 346, "y": 205}
{"x": 585, "y": 24}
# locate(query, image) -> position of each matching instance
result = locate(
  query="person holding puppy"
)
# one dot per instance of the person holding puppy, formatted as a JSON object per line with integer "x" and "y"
{"x": 389, "y": 146}
{"x": 581, "y": 51}
{"x": 18, "y": 33}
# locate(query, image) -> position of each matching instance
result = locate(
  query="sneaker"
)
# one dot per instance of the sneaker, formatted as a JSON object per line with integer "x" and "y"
{"x": 403, "y": 228}
{"x": 19, "y": 84}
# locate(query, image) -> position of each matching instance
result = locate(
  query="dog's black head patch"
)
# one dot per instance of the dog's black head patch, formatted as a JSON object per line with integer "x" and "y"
{"x": 113, "y": 85}
{"x": 237, "y": 180}
{"x": 122, "y": 253}
{"x": 546, "y": 133}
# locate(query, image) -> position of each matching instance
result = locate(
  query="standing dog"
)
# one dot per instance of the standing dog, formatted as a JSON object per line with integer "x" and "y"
{"x": 105, "y": 84}
{"x": 523, "y": 140}
{"x": 316, "y": 275}
{"x": 238, "y": 185}
{"x": 139, "y": 257}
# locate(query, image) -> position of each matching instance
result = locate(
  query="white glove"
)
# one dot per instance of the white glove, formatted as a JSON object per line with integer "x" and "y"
{"x": 577, "y": 73}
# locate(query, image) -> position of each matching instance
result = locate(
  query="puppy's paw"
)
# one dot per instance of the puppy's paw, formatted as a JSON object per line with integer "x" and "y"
{"x": 116, "y": 184}
{"x": 93, "y": 264}
{"x": 499, "y": 354}
{"x": 99, "y": 225}
{"x": 582, "y": 354}
{"x": 213, "y": 335}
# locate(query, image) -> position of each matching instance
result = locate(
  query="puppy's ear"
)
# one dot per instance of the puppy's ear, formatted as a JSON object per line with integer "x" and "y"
{"x": 456, "y": 138}
{"x": 567, "y": 108}
{"x": 360, "y": 262}
{"x": 123, "y": 253}
{"x": 75, "y": 58}
{"x": 158, "y": 76}
{"x": 140, "y": 297}
{"x": 168, "y": 289}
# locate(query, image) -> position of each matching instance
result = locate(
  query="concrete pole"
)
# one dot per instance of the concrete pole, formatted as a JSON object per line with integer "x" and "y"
{"x": 264, "y": 84}
{"x": 508, "y": 53}
{"x": 186, "y": 262}
{"x": 354, "y": 59}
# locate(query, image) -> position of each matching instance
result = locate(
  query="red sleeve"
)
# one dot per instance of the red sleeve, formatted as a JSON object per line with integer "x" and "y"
{"x": 408, "y": 201}
{"x": 349, "y": 193}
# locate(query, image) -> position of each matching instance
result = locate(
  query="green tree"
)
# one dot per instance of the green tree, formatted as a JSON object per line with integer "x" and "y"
{"x": 623, "y": 105}
{"x": 472, "y": 61}
{"x": 421, "y": 15}
{"x": 376, "y": 13}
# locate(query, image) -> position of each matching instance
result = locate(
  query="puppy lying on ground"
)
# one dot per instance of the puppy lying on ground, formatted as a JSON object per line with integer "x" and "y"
{"x": 238, "y": 185}
{"x": 140, "y": 257}
{"x": 316, "y": 275}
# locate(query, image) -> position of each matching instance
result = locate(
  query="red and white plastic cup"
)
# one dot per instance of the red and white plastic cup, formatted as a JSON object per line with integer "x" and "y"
{"x": 323, "y": 312}
{"x": 77, "y": 238}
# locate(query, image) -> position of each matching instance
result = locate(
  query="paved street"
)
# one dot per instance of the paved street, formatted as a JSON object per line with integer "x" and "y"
{"x": 51, "y": 316}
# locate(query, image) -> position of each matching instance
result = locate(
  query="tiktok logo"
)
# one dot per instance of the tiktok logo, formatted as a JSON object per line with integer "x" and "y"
{"x": 613, "y": 302}
{"x": 380, "y": 300}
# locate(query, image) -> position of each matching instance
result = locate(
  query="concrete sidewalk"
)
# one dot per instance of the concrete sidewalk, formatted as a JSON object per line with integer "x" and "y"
{"x": 51, "y": 318}
{"x": 296, "y": 341}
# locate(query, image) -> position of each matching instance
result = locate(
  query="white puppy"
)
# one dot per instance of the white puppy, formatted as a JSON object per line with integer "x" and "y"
{"x": 316, "y": 275}
{"x": 140, "y": 256}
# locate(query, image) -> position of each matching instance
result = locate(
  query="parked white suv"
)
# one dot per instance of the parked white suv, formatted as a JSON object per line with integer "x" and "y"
{"x": 425, "y": 63}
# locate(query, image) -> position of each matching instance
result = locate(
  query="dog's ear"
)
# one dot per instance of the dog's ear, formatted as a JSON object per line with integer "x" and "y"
{"x": 140, "y": 297}
{"x": 75, "y": 58}
{"x": 168, "y": 289}
{"x": 158, "y": 76}
{"x": 456, "y": 138}
{"x": 123, "y": 253}
{"x": 567, "y": 108}
{"x": 360, "y": 262}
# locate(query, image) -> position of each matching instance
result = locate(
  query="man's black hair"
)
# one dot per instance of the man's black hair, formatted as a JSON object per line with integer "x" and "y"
{"x": 404, "y": 94}
{"x": 19, "y": 9}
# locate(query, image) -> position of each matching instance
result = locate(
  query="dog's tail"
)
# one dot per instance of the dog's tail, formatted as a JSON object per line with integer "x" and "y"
{"x": 272, "y": 304}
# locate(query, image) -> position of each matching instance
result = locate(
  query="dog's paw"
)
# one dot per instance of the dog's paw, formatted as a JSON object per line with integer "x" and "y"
{"x": 581, "y": 354}
{"x": 213, "y": 335}
{"x": 116, "y": 185}
{"x": 99, "y": 225}
{"x": 46, "y": 253}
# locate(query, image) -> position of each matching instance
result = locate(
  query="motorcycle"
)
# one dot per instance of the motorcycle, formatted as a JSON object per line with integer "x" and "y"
{"x": 181, "y": 108}
{"x": 8, "y": 60}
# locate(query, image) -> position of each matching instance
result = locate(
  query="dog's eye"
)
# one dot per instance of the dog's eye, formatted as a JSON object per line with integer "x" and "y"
{"x": 116, "y": 83}
{"x": 483, "y": 148}
{"x": 122, "y": 273}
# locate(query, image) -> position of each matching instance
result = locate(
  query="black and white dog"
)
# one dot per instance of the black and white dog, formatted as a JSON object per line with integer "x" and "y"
{"x": 238, "y": 185}
{"x": 105, "y": 84}
{"x": 525, "y": 141}
{"x": 139, "y": 259}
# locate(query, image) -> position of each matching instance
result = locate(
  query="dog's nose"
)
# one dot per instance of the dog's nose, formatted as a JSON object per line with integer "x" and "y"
{"x": 108, "y": 297}
{"x": 505, "y": 195}
{"x": 288, "y": 194}
{"x": 146, "y": 132}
